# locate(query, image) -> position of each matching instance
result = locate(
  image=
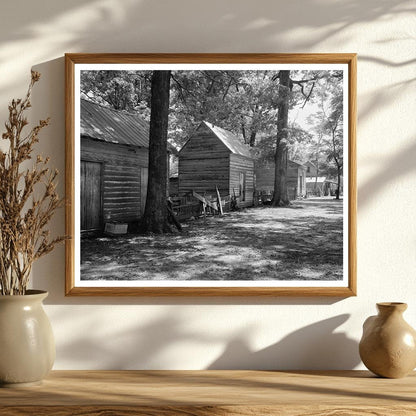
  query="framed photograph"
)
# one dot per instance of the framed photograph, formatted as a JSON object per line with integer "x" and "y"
{"x": 211, "y": 174}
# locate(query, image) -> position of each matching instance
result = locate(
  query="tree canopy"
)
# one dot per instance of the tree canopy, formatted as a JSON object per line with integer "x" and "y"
{"x": 245, "y": 102}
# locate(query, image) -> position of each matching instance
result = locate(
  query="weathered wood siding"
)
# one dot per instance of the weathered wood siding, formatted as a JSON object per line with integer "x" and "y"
{"x": 174, "y": 186}
{"x": 295, "y": 182}
{"x": 296, "y": 185}
{"x": 311, "y": 170}
{"x": 91, "y": 201}
{"x": 264, "y": 179}
{"x": 204, "y": 164}
{"x": 123, "y": 183}
{"x": 242, "y": 165}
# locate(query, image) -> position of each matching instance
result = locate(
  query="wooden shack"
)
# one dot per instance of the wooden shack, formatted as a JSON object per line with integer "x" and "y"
{"x": 317, "y": 184}
{"x": 311, "y": 169}
{"x": 295, "y": 179}
{"x": 113, "y": 166}
{"x": 321, "y": 186}
{"x": 216, "y": 158}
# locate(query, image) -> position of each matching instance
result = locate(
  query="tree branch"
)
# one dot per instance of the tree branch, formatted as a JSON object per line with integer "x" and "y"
{"x": 182, "y": 89}
{"x": 309, "y": 95}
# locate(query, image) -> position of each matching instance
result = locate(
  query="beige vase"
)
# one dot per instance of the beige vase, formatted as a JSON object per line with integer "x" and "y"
{"x": 27, "y": 346}
{"x": 388, "y": 345}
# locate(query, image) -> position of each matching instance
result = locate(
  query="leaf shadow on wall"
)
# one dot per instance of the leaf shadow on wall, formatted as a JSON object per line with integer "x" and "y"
{"x": 401, "y": 164}
{"x": 313, "y": 347}
{"x": 118, "y": 21}
{"x": 152, "y": 26}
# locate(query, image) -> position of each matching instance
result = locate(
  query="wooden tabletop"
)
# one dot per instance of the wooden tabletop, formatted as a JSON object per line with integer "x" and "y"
{"x": 203, "y": 393}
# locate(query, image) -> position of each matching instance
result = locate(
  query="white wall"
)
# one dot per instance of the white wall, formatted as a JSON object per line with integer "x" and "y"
{"x": 196, "y": 333}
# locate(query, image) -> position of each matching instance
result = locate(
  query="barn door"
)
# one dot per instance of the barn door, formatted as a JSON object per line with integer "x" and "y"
{"x": 242, "y": 186}
{"x": 90, "y": 196}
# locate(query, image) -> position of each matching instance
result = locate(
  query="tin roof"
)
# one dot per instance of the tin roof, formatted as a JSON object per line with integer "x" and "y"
{"x": 232, "y": 142}
{"x": 113, "y": 126}
{"x": 319, "y": 179}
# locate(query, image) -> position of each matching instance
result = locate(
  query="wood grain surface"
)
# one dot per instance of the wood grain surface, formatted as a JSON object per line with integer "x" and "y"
{"x": 203, "y": 393}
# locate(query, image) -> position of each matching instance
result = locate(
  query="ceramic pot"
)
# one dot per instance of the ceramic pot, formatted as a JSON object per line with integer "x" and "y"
{"x": 388, "y": 345}
{"x": 27, "y": 346}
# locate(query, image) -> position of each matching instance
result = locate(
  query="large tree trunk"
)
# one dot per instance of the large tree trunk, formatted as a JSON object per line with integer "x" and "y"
{"x": 280, "y": 196}
{"x": 155, "y": 217}
{"x": 336, "y": 159}
{"x": 339, "y": 182}
{"x": 280, "y": 180}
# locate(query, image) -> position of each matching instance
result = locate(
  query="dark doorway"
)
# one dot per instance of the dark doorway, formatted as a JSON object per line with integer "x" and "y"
{"x": 91, "y": 207}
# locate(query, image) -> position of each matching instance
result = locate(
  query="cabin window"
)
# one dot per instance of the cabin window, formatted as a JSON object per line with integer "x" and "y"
{"x": 308, "y": 169}
{"x": 242, "y": 186}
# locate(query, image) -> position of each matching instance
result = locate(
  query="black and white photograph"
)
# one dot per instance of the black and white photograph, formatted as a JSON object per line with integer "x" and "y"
{"x": 211, "y": 175}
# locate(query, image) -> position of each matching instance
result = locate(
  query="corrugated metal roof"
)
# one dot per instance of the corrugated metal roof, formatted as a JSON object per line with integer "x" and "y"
{"x": 113, "y": 126}
{"x": 232, "y": 142}
{"x": 313, "y": 179}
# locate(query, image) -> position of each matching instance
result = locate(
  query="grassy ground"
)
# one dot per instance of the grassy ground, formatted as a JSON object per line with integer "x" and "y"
{"x": 301, "y": 242}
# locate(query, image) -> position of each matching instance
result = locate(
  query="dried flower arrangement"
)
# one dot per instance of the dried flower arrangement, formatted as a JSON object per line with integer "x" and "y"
{"x": 28, "y": 200}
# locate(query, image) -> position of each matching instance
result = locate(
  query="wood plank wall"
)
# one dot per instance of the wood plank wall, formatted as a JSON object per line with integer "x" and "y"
{"x": 122, "y": 167}
{"x": 204, "y": 164}
{"x": 265, "y": 179}
{"x": 240, "y": 164}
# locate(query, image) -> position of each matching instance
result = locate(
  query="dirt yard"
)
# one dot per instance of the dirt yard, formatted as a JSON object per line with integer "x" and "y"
{"x": 301, "y": 242}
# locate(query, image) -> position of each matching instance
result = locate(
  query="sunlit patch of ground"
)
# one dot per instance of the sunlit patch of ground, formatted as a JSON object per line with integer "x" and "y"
{"x": 301, "y": 242}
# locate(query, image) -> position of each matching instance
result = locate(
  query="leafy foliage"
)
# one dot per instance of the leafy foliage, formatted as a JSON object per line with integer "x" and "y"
{"x": 326, "y": 147}
{"x": 121, "y": 90}
{"x": 244, "y": 102}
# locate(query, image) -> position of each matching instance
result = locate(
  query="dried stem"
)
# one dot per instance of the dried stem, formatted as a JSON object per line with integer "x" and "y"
{"x": 24, "y": 217}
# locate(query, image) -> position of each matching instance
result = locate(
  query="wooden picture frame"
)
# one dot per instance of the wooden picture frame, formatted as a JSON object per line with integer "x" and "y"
{"x": 76, "y": 286}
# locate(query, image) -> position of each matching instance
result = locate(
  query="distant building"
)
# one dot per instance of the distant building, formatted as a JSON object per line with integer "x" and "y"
{"x": 216, "y": 158}
{"x": 295, "y": 179}
{"x": 311, "y": 169}
{"x": 320, "y": 186}
{"x": 317, "y": 183}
